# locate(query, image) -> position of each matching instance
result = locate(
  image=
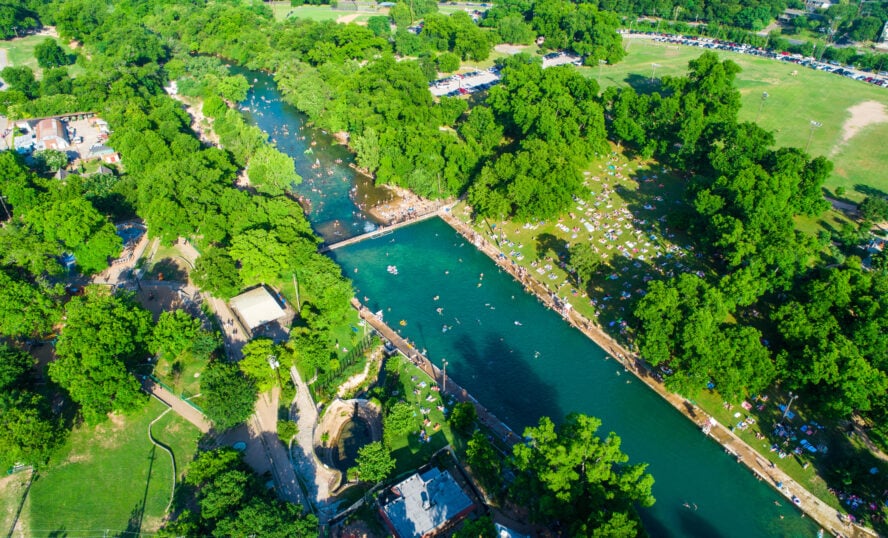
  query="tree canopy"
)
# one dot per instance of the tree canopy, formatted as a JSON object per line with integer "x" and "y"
{"x": 568, "y": 473}
{"x": 105, "y": 336}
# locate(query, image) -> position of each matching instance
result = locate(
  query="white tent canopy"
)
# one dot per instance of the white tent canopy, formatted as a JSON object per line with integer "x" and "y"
{"x": 256, "y": 307}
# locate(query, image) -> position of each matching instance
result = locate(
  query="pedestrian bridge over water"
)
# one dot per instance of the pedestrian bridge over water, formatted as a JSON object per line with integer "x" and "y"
{"x": 385, "y": 230}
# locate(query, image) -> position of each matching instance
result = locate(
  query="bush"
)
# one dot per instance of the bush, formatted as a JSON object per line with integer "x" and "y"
{"x": 286, "y": 430}
{"x": 448, "y": 62}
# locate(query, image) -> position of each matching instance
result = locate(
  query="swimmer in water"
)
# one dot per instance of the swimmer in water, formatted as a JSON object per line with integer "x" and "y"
{"x": 436, "y": 297}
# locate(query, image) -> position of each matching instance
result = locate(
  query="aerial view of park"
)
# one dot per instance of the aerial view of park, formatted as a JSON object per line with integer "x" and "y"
{"x": 418, "y": 268}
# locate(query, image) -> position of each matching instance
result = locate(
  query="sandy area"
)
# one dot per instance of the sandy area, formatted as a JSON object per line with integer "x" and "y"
{"x": 862, "y": 115}
{"x": 404, "y": 206}
{"x": 345, "y": 19}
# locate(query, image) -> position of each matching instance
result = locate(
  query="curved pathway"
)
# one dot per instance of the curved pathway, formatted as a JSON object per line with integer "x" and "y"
{"x": 317, "y": 479}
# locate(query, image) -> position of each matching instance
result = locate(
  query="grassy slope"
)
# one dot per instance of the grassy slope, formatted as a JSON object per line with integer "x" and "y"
{"x": 20, "y": 52}
{"x": 794, "y": 101}
{"x": 409, "y": 452}
{"x": 100, "y": 479}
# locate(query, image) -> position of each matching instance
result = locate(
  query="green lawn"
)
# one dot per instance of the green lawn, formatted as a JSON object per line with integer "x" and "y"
{"x": 110, "y": 477}
{"x": 283, "y": 11}
{"x": 797, "y": 95}
{"x": 12, "y": 488}
{"x": 415, "y": 387}
{"x": 20, "y": 52}
{"x": 619, "y": 216}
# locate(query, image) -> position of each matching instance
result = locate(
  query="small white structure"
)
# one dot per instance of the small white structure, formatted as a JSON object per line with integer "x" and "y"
{"x": 256, "y": 307}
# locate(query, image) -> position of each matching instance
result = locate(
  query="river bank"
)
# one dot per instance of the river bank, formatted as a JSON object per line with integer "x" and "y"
{"x": 831, "y": 520}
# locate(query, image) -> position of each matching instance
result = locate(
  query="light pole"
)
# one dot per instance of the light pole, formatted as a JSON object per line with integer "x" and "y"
{"x": 444, "y": 361}
{"x": 654, "y": 71}
{"x": 792, "y": 398}
{"x": 762, "y": 105}
{"x": 814, "y": 125}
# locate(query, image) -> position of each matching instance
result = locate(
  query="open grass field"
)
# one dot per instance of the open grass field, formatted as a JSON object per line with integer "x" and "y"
{"x": 20, "y": 52}
{"x": 283, "y": 11}
{"x": 797, "y": 95}
{"x": 110, "y": 478}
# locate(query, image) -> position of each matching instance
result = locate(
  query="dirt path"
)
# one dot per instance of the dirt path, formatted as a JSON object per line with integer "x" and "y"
{"x": 345, "y": 19}
{"x": 862, "y": 115}
{"x": 356, "y": 380}
{"x": 818, "y": 510}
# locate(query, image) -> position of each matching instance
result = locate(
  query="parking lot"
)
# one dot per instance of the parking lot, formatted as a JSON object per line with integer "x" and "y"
{"x": 877, "y": 79}
{"x": 466, "y": 83}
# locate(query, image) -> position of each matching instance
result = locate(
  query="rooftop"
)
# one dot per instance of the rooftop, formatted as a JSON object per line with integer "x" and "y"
{"x": 424, "y": 503}
{"x": 256, "y": 307}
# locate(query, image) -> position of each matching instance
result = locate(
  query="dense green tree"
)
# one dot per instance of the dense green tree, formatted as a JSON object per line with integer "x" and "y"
{"x": 56, "y": 82}
{"x": 103, "y": 338}
{"x": 215, "y": 271}
{"x": 463, "y": 417}
{"x": 570, "y": 474}
{"x": 232, "y": 502}
{"x": 26, "y": 310}
{"x": 477, "y": 528}
{"x": 258, "y": 356}
{"x": 28, "y": 433}
{"x": 271, "y": 171}
{"x": 374, "y": 463}
{"x": 229, "y": 396}
{"x": 584, "y": 261}
{"x": 486, "y": 463}
{"x": 50, "y": 54}
{"x": 447, "y": 62}
{"x": 399, "y": 420}
{"x": 379, "y": 25}
{"x": 513, "y": 29}
{"x": 15, "y": 364}
{"x": 268, "y": 517}
{"x": 51, "y": 160}
{"x": 175, "y": 332}
{"x": 874, "y": 208}
{"x": 21, "y": 79}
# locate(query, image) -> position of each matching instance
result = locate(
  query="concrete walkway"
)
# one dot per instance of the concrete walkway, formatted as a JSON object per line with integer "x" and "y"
{"x": 178, "y": 405}
{"x": 263, "y": 425}
{"x": 318, "y": 480}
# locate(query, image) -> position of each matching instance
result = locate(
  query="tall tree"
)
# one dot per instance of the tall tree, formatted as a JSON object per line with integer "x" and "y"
{"x": 374, "y": 463}
{"x": 229, "y": 396}
{"x": 568, "y": 473}
{"x": 104, "y": 337}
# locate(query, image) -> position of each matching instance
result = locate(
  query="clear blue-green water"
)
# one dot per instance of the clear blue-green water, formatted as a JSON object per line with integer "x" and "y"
{"x": 539, "y": 366}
